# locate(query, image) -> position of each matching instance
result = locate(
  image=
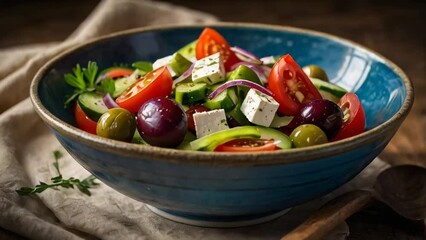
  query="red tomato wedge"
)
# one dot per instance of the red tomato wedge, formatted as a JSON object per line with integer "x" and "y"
{"x": 247, "y": 145}
{"x": 210, "y": 42}
{"x": 83, "y": 121}
{"x": 290, "y": 86}
{"x": 157, "y": 83}
{"x": 119, "y": 72}
{"x": 353, "y": 117}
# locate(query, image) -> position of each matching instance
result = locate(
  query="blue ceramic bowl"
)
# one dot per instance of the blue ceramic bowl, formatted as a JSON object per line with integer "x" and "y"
{"x": 229, "y": 189}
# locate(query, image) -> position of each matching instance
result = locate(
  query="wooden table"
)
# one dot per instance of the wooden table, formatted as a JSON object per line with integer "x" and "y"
{"x": 396, "y": 29}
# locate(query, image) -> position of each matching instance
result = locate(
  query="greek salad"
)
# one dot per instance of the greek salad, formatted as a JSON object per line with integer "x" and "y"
{"x": 209, "y": 96}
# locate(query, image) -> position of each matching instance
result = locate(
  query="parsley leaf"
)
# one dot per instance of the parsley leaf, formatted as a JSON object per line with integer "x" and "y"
{"x": 90, "y": 74}
{"x": 76, "y": 78}
{"x": 144, "y": 67}
{"x": 83, "y": 79}
{"x": 107, "y": 86}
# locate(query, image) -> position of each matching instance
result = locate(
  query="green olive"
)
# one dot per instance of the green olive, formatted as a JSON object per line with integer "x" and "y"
{"x": 118, "y": 124}
{"x": 314, "y": 71}
{"x": 307, "y": 135}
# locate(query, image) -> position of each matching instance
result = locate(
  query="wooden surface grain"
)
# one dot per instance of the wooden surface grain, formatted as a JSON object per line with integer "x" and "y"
{"x": 396, "y": 29}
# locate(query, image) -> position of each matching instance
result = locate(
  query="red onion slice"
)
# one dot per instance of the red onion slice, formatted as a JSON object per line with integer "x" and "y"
{"x": 184, "y": 75}
{"x": 109, "y": 102}
{"x": 241, "y": 82}
{"x": 256, "y": 68}
{"x": 245, "y": 55}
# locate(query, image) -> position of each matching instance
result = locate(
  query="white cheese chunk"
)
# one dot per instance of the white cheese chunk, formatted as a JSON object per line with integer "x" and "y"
{"x": 259, "y": 108}
{"x": 209, "y": 70}
{"x": 269, "y": 60}
{"x": 165, "y": 61}
{"x": 210, "y": 122}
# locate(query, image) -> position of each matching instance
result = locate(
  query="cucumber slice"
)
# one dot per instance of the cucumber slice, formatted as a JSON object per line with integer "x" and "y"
{"x": 188, "y": 51}
{"x": 280, "y": 139}
{"x": 186, "y": 143}
{"x": 187, "y": 93}
{"x": 92, "y": 104}
{"x": 329, "y": 96}
{"x": 244, "y": 72}
{"x": 227, "y": 99}
{"x": 331, "y": 88}
{"x": 280, "y": 121}
{"x": 122, "y": 84}
{"x": 179, "y": 63}
{"x": 238, "y": 115}
{"x": 138, "y": 139}
{"x": 210, "y": 142}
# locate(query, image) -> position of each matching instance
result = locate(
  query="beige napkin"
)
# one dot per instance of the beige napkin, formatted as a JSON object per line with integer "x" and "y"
{"x": 26, "y": 147}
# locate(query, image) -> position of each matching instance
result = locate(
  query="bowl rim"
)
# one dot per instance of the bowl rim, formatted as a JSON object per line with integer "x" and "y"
{"x": 222, "y": 158}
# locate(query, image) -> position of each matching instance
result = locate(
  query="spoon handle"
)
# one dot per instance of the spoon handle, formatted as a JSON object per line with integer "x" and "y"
{"x": 330, "y": 215}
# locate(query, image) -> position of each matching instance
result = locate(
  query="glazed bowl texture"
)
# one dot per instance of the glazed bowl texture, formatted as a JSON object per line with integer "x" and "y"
{"x": 195, "y": 187}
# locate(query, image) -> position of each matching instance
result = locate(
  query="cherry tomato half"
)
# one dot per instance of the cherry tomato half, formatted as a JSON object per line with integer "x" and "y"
{"x": 119, "y": 72}
{"x": 210, "y": 42}
{"x": 83, "y": 121}
{"x": 353, "y": 117}
{"x": 247, "y": 145}
{"x": 290, "y": 86}
{"x": 157, "y": 83}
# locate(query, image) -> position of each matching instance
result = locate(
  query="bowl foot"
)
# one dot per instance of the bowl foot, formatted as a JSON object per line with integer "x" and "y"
{"x": 226, "y": 222}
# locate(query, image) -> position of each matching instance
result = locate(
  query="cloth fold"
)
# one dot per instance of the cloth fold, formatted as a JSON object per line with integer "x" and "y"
{"x": 26, "y": 147}
{"x": 108, "y": 17}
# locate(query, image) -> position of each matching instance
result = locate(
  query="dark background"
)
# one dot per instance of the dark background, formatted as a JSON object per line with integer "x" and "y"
{"x": 395, "y": 29}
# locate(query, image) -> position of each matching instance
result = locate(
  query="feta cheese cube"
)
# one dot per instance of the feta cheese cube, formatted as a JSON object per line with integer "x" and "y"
{"x": 269, "y": 60}
{"x": 259, "y": 108}
{"x": 209, "y": 122}
{"x": 165, "y": 61}
{"x": 209, "y": 70}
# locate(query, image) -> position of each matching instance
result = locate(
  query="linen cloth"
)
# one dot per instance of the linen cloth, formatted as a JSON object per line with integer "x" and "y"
{"x": 26, "y": 147}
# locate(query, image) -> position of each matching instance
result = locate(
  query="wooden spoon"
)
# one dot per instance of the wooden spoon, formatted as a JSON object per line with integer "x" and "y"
{"x": 403, "y": 188}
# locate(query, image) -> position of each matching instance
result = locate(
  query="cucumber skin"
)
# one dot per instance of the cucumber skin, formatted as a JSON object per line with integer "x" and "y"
{"x": 188, "y": 51}
{"x": 328, "y": 87}
{"x": 217, "y": 103}
{"x": 238, "y": 115}
{"x": 184, "y": 96}
{"x": 210, "y": 142}
{"x": 227, "y": 99}
{"x": 93, "y": 112}
{"x": 244, "y": 72}
{"x": 282, "y": 140}
{"x": 179, "y": 63}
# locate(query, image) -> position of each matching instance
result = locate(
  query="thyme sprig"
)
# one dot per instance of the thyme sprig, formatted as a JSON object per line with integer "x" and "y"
{"x": 58, "y": 181}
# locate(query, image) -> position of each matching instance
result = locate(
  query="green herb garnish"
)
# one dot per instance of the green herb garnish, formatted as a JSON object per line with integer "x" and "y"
{"x": 58, "y": 181}
{"x": 144, "y": 67}
{"x": 83, "y": 79}
{"x": 107, "y": 86}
